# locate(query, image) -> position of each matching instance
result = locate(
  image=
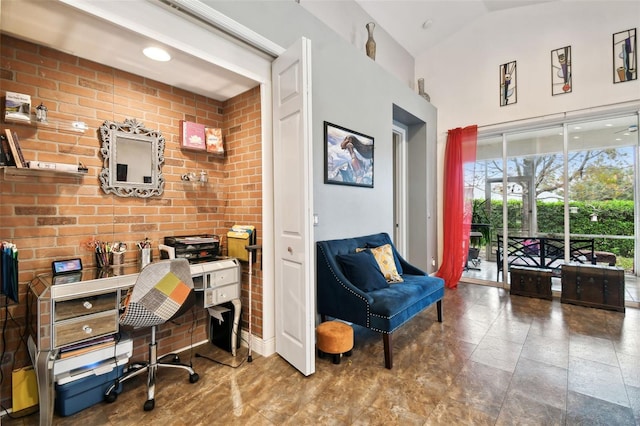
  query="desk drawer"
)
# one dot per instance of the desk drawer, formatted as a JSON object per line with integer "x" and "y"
{"x": 224, "y": 277}
{"x": 227, "y": 293}
{"x": 217, "y": 296}
{"x": 82, "y": 306}
{"x": 85, "y": 327}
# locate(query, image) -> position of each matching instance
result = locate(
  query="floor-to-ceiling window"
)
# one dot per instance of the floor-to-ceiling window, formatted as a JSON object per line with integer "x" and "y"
{"x": 576, "y": 178}
{"x": 601, "y": 186}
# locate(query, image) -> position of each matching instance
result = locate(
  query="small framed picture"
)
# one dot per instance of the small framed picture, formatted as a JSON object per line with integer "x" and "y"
{"x": 508, "y": 84}
{"x": 561, "y": 71}
{"x": 192, "y": 135}
{"x": 625, "y": 56}
{"x": 348, "y": 157}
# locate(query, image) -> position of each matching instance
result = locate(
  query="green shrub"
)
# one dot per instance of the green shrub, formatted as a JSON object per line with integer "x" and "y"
{"x": 615, "y": 217}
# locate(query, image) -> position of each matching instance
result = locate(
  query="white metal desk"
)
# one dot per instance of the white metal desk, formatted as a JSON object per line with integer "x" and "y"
{"x": 88, "y": 306}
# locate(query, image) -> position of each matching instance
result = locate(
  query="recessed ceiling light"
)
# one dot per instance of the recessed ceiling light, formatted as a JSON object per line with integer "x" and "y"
{"x": 577, "y": 128}
{"x": 157, "y": 54}
{"x": 608, "y": 125}
{"x": 427, "y": 24}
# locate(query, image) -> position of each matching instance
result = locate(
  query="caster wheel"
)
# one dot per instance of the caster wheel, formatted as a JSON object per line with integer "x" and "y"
{"x": 149, "y": 404}
{"x": 193, "y": 377}
{"x": 111, "y": 397}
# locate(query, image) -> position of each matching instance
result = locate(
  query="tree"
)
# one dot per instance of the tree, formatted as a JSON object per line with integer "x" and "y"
{"x": 608, "y": 178}
{"x": 604, "y": 174}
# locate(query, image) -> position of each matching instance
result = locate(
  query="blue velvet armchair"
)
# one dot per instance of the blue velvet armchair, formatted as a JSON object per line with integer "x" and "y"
{"x": 381, "y": 309}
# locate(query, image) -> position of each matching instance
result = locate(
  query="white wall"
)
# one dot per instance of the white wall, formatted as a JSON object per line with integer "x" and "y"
{"x": 348, "y": 20}
{"x": 352, "y": 91}
{"x": 462, "y": 73}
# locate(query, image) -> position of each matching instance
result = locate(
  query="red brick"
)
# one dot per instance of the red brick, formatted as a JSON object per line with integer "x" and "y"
{"x": 76, "y": 210}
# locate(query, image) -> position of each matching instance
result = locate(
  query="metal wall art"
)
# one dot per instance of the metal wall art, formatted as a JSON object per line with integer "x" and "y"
{"x": 508, "y": 84}
{"x": 561, "y": 71}
{"x": 625, "y": 58}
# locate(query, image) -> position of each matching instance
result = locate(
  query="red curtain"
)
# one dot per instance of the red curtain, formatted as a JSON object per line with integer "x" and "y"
{"x": 460, "y": 152}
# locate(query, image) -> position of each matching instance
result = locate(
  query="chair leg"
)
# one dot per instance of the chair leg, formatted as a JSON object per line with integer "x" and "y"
{"x": 151, "y": 369}
{"x": 151, "y": 377}
{"x": 388, "y": 350}
{"x": 133, "y": 370}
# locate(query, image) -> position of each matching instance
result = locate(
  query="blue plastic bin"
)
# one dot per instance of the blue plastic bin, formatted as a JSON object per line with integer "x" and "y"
{"x": 79, "y": 394}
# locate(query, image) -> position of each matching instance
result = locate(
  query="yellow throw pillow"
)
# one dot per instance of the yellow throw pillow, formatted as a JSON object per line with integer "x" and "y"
{"x": 384, "y": 257}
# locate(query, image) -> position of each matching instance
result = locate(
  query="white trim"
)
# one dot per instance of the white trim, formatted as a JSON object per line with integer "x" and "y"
{"x": 533, "y": 123}
{"x": 268, "y": 241}
{"x": 400, "y": 184}
{"x": 218, "y": 20}
{"x": 636, "y": 197}
{"x": 505, "y": 213}
{"x": 565, "y": 184}
{"x": 198, "y": 42}
{"x": 260, "y": 346}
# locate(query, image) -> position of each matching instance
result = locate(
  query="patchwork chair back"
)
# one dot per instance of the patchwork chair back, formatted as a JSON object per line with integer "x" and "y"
{"x": 163, "y": 291}
{"x": 352, "y": 286}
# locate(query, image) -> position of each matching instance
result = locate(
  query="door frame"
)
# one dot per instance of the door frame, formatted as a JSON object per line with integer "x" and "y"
{"x": 399, "y": 137}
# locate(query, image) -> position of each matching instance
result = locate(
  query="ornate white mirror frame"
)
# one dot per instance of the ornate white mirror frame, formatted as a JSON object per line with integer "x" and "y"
{"x": 132, "y": 159}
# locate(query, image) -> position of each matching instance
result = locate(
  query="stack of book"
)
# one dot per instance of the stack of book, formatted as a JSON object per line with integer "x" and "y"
{"x": 87, "y": 346}
{"x": 10, "y": 151}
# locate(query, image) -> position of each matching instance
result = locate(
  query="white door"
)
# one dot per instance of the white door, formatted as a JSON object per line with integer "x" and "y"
{"x": 293, "y": 207}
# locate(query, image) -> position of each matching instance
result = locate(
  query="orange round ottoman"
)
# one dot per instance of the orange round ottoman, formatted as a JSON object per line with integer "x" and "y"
{"x": 334, "y": 338}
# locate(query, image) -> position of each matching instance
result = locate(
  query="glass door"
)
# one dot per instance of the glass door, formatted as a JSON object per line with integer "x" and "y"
{"x": 483, "y": 186}
{"x": 578, "y": 180}
{"x": 601, "y": 187}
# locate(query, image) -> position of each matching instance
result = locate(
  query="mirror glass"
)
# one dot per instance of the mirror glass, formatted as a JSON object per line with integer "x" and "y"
{"x": 132, "y": 159}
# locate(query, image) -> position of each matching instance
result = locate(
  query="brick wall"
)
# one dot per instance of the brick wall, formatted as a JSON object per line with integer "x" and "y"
{"x": 52, "y": 218}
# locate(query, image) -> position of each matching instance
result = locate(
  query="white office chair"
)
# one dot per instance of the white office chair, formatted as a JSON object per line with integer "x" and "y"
{"x": 163, "y": 290}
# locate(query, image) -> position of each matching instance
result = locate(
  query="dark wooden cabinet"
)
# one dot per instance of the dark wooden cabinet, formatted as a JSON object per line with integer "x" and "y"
{"x": 595, "y": 286}
{"x": 531, "y": 282}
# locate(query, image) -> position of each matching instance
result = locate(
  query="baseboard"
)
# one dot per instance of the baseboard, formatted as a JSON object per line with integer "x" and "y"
{"x": 260, "y": 346}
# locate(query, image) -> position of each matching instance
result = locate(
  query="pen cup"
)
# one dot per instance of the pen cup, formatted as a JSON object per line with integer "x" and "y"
{"x": 117, "y": 258}
{"x": 144, "y": 257}
{"x": 101, "y": 260}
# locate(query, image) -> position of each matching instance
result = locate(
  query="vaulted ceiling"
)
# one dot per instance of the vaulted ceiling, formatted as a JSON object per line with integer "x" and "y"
{"x": 416, "y": 25}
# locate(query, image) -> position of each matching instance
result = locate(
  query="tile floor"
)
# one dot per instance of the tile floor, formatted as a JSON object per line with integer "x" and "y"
{"x": 495, "y": 360}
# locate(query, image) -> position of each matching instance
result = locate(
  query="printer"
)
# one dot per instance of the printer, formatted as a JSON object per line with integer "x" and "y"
{"x": 194, "y": 248}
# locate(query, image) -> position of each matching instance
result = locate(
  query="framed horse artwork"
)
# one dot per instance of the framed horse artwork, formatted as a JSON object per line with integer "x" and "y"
{"x": 348, "y": 157}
